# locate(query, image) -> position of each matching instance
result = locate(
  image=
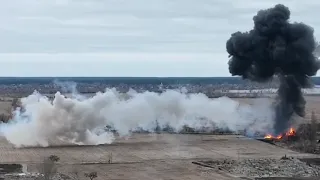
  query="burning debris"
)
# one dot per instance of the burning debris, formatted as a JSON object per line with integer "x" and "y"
{"x": 276, "y": 47}
{"x": 291, "y": 133}
{"x": 303, "y": 139}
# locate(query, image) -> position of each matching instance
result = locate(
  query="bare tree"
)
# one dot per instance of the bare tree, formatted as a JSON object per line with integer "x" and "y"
{"x": 91, "y": 175}
{"x": 110, "y": 158}
{"x": 48, "y": 167}
{"x": 54, "y": 158}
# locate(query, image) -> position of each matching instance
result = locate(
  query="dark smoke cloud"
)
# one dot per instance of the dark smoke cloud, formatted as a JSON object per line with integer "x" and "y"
{"x": 276, "y": 47}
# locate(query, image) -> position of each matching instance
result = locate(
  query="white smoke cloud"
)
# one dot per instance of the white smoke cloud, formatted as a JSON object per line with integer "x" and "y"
{"x": 69, "y": 87}
{"x": 83, "y": 122}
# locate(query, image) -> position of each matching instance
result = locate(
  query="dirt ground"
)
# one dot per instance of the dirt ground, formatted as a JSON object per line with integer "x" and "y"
{"x": 157, "y": 156}
{"x": 144, "y": 157}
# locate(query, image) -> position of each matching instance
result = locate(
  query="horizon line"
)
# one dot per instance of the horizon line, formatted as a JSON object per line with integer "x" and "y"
{"x": 126, "y": 77}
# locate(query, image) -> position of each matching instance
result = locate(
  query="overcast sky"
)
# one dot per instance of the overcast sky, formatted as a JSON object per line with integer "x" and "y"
{"x": 128, "y": 37}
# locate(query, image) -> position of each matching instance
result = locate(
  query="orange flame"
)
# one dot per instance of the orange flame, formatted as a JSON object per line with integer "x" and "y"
{"x": 279, "y": 136}
{"x": 268, "y": 136}
{"x": 290, "y": 132}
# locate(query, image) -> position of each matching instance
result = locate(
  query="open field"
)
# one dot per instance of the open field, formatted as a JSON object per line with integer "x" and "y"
{"x": 144, "y": 157}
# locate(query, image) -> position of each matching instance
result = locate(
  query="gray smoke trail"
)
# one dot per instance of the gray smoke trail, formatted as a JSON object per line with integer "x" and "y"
{"x": 82, "y": 122}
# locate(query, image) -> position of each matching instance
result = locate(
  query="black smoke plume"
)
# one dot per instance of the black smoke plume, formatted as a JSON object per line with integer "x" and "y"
{"x": 276, "y": 47}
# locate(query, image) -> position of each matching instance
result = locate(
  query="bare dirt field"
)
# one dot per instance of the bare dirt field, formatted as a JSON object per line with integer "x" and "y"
{"x": 154, "y": 156}
{"x": 144, "y": 157}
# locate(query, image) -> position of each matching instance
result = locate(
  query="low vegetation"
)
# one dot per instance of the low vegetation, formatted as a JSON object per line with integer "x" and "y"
{"x": 91, "y": 175}
{"x": 48, "y": 170}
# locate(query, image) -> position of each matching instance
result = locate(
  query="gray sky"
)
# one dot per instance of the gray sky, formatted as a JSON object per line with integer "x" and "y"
{"x": 128, "y": 37}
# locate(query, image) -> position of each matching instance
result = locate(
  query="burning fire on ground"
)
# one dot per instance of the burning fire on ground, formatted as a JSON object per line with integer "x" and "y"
{"x": 290, "y": 133}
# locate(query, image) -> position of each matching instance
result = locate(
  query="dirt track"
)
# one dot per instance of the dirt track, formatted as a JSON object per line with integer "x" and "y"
{"x": 144, "y": 157}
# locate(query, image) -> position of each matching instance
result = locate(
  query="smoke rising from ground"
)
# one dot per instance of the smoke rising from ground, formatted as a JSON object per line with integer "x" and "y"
{"x": 82, "y": 121}
{"x": 276, "y": 47}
